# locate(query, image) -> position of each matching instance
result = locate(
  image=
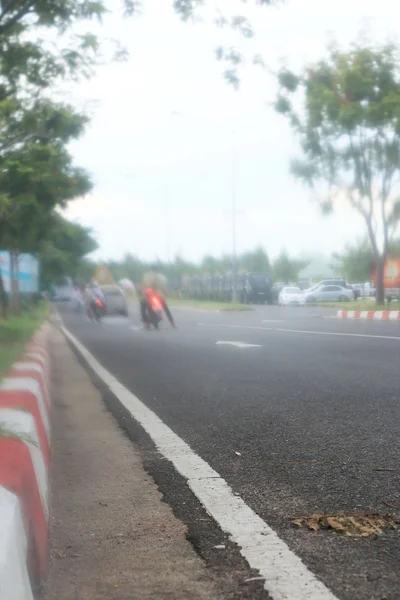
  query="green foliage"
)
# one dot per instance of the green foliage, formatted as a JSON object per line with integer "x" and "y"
{"x": 63, "y": 249}
{"x": 357, "y": 260}
{"x": 134, "y": 268}
{"x": 256, "y": 260}
{"x": 355, "y": 263}
{"x": 27, "y": 63}
{"x": 188, "y": 9}
{"x": 286, "y": 270}
{"x": 37, "y": 173}
{"x": 17, "y": 331}
{"x": 349, "y": 133}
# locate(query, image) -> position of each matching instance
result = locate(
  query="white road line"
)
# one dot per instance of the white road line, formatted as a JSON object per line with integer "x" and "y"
{"x": 240, "y": 344}
{"x": 362, "y": 335}
{"x": 273, "y": 320}
{"x": 286, "y": 577}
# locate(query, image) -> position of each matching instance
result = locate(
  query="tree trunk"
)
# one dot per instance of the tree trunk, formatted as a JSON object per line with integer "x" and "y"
{"x": 15, "y": 298}
{"x": 380, "y": 289}
{"x": 3, "y": 298}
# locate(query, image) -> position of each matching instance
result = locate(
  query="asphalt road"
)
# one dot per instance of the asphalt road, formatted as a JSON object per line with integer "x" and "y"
{"x": 302, "y": 421}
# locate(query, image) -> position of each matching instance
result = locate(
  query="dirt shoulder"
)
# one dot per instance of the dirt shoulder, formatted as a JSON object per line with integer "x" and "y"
{"x": 111, "y": 534}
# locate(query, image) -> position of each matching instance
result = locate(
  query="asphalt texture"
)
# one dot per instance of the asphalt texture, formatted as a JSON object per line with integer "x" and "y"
{"x": 313, "y": 411}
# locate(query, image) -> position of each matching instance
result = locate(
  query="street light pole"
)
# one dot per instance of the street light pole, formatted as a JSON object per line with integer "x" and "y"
{"x": 167, "y": 224}
{"x": 234, "y": 254}
{"x": 176, "y": 113}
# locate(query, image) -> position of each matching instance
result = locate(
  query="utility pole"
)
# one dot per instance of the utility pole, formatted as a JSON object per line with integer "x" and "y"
{"x": 234, "y": 186}
{"x": 167, "y": 224}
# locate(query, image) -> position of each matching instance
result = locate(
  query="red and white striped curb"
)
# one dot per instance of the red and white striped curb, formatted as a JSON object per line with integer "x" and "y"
{"x": 378, "y": 315}
{"x": 24, "y": 466}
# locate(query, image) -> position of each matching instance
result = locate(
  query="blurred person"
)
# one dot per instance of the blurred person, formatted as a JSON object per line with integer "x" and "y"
{"x": 156, "y": 283}
{"x": 144, "y": 307}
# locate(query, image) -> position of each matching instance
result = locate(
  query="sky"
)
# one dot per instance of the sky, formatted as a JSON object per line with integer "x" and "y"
{"x": 171, "y": 145}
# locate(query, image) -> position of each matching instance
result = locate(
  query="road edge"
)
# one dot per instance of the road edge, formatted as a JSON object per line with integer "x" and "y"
{"x": 24, "y": 466}
{"x": 285, "y": 575}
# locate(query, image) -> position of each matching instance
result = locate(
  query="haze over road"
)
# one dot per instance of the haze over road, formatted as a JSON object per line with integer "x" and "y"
{"x": 296, "y": 410}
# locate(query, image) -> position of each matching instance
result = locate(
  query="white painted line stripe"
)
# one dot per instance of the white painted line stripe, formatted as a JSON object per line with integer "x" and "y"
{"x": 239, "y": 344}
{"x": 361, "y": 335}
{"x": 27, "y": 384}
{"x": 286, "y": 577}
{"x": 273, "y": 320}
{"x": 14, "y": 578}
{"x": 20, "y": 422}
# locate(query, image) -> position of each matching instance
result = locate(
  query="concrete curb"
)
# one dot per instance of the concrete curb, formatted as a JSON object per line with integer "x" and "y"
{"x": 376, "y": 315}
{"x": 24, "y": 465}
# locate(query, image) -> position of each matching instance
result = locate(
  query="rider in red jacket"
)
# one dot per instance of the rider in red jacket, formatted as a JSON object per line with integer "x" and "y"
{"x": 155, "y": 301}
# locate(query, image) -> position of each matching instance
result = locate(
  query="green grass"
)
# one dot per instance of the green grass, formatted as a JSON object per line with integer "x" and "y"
{"x": 207, "y": 305}
{"x": 15, "y": 332}
{"x": 358, "y": 305}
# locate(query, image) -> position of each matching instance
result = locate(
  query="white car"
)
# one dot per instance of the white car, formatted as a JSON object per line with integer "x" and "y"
{"x": 329, "y": 293}
{"x": 291, "y": 296}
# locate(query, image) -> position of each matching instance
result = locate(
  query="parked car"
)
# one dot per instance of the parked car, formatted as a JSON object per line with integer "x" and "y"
{"x": 329, "y": 293}
{"x": 340, "y": 282}
{"x": 291, "y": 296}
{"x": 363, "y": 290}
{"x": 257, "y": 289}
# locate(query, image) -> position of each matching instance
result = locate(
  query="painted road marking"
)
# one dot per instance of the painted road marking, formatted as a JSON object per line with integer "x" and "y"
{"x": 360, "y": 335}
{"x": 286, "y": 576}
{"x": 273, "y": 320}
{"x": 240, "y": 344}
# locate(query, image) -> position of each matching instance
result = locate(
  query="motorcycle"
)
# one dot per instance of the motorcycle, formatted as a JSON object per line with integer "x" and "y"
{"x": 155, "y": 311}
{"x": 98, "y": 309}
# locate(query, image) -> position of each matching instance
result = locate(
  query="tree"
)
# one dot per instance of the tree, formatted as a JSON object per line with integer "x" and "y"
{"x": 35, "y": 177}
{"x": 27, "y": 62}
{"x": 256, "y": 260}
{"x": 349, "y": 132}
{"x": 188, "y": 10}
{"x": 62, "y": 252}
{"x": 285, "y": 269}
{"x": 355, "y": 262}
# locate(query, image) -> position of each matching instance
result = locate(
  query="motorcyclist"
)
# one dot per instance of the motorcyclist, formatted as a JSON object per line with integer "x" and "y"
{"x": 93, "y": 293}
{"x": 154, "y": 285}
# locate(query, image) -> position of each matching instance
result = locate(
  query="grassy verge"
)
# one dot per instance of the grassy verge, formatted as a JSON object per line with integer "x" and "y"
{"x": 207, "y": 305}
{"x": 358, "y": 305}
{"x": 15, "y": 332}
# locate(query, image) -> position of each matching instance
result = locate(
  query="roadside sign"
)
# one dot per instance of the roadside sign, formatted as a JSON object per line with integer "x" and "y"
{"x": 103, "y": 276}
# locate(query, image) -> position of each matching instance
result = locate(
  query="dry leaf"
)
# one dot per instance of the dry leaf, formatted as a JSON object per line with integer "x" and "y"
{"x": 314, "y": 522}
{"x": 349, "y": 525}
{"x": 298, "y": 522}
{"x": 334, "y": 523}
